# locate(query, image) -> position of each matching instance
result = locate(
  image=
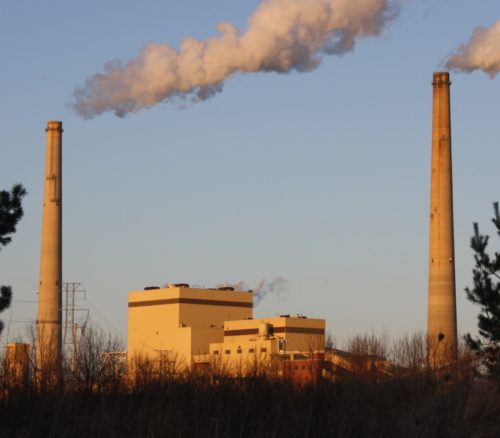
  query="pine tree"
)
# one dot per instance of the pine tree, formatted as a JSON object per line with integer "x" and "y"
{"x": 11, "y": 212}
{"x": 486, "y": 293}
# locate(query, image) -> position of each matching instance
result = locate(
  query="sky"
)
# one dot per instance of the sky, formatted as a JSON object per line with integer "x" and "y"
{"x": 319, "y": 177}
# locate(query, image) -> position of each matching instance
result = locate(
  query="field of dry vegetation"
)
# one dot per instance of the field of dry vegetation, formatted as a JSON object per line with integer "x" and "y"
{"x": 408, "y": 399}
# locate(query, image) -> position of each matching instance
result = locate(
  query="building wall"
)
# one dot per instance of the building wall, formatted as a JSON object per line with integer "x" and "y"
{"x": 203, "y": 337}
{"x": 180, "y": 321}
{"x": 300, "y": 333}
{"x": 264, "y": 344}
{"x": 244, "y": 357}
{"x": 150, "y": 324}
{"x": 212, "y": 307}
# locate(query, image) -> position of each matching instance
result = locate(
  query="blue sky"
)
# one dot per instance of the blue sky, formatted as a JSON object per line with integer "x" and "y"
{"x": 321, "y": 178}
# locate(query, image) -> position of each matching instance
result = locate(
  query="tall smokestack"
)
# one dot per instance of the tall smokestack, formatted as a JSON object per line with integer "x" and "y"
{"x": 442, "y": 314}
{"x": 49, "y": 339}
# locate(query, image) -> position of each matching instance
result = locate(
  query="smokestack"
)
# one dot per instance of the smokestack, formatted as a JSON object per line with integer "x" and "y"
{"x": 442, "y": 315}
{"x": 49, "y": 327}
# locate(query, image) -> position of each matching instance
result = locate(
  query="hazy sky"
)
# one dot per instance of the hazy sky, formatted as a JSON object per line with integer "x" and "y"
{"x": 321, "y": 177}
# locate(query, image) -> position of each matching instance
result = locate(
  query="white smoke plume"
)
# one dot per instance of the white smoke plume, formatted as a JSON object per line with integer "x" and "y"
{"x": 281, "y": 36}
{"x": 277, "y": 285}
{"x": 482, "y": 52}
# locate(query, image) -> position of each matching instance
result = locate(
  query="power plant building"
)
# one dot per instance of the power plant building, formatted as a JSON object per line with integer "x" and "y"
{"x": 197, "y": 327}
{"x": 179, "y": 321}
{"x": 268, "y": 342}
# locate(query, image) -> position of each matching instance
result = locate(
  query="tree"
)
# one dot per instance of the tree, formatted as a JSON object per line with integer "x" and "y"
{"x": 486, "y": 293}
{"x": 11, "y": 212}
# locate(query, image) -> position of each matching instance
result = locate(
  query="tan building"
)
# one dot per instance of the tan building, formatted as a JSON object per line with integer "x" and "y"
{"x": 252, "y": 345}
{"x": 17, "y": 364}
{"x": 179, "y": 322}
{"x": 185, "y": 326}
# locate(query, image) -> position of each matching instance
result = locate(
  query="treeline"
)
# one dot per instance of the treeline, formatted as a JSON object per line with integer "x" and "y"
{"x": 98, "y": 398}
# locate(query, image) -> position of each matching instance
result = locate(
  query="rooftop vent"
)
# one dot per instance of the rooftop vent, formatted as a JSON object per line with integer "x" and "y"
{"x": 178, "y": 285}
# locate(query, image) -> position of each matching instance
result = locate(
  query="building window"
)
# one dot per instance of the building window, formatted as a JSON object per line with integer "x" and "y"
{"x": 250, "y": 350}
{"x": 263, "y": 350}
{"x": 239, "y": 351}
{"x": 228, "y": 352}
{"x": 216, "y": 351}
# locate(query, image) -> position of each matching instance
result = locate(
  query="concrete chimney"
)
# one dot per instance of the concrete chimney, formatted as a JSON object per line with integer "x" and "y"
{"x": 49, "y": 323}
{"x": 442, "y": 314}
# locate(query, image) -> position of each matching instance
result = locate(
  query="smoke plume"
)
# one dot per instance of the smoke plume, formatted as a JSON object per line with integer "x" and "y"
{"x": 482, "y": 52}
{"x": 281, "y": 36}
{"x": 276, "y": 286}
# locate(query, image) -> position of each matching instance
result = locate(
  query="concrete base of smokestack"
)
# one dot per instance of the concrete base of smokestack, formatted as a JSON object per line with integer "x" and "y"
{"x": 49, "y": 323}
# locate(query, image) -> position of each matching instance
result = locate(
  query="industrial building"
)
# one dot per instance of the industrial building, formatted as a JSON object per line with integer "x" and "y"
{"x": 206, "y": 328}
{"x": 181, "y": 321}
{"x": 250, "y": 344}
{"x": 17, "y": 364}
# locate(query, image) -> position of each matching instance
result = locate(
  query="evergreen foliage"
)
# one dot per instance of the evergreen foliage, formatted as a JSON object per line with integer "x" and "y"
{"x": 11, "y": 212}
{"x": 486, "y": 293}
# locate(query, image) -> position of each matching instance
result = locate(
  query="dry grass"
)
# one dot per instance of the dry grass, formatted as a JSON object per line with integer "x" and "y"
{"x": 409, "y": 402}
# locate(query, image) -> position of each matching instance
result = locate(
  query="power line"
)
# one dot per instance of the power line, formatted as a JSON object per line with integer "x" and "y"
{"x": 103, "y": 317}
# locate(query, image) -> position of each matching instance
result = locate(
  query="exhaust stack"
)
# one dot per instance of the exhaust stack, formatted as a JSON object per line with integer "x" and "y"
{"x": 442, "y": 314}
{"x": 49, "y": 323}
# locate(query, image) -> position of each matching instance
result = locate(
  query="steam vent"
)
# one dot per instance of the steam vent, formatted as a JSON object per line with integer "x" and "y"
{"x": 442, "y": 314}
{"x": 48, "y": 344}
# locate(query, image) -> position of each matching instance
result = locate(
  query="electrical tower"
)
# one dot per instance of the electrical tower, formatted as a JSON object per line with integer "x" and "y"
{"x": 70, "y": 332}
